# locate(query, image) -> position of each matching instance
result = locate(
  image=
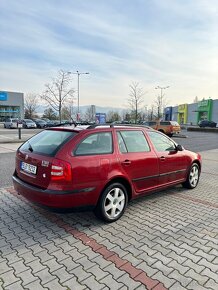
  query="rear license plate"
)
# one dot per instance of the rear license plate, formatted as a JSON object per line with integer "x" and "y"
{"x": 28, "y": 167}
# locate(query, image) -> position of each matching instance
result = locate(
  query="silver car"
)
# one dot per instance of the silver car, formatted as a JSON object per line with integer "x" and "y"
{"x": 28, "y": 123}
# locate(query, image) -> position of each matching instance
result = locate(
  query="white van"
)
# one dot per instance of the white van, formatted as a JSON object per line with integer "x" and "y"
{"x": 11, "y": 123}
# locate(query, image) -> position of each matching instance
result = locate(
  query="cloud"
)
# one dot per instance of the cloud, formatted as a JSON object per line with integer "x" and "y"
{"x": 153, "y": 42}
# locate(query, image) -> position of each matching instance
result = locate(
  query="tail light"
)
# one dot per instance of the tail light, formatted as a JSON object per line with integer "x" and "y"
{"x": 60, "y": 170}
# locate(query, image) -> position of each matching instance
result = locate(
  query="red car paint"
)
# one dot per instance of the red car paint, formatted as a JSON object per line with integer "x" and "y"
{"x": 67, "y": 180}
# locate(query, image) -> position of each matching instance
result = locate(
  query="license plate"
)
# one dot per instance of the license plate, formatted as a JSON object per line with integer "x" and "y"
{"x": 28, "y": 167}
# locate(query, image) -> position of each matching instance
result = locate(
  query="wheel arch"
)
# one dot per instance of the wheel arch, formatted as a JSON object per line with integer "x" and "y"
{"x": 197, "y": 162}
{"x": 123, "y": 181}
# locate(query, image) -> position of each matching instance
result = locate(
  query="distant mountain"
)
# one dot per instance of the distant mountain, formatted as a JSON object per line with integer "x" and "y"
{"x": 83, "y": 109}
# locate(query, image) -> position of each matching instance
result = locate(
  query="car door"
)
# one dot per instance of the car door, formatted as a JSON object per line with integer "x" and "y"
{"x": 172, "y": 163}
{"x": 138, "y": 162}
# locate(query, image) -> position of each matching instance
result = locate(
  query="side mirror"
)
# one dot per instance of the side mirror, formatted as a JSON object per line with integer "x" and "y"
{"x": 179, "y": 148}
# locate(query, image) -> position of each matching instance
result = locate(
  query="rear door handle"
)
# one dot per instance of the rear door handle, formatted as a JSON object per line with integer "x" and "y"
{"x": 126, "y": 162}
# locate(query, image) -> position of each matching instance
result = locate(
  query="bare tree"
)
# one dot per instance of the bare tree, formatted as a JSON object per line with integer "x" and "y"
{"x": 136, "y": 99}
{"x": 30, "y": 105}
{"x": 160, "y": 103}
{"x": 59, "y": 92}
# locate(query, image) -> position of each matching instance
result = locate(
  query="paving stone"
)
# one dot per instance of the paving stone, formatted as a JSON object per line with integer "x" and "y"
{"x": 63, "y": 274}
{"x": 20, "y": 267}
{"x": 177, "y": 286}
{"x": 168, "y": 282}
{"x": 113, "y": 270}
{"x": 211, "y": 284}
{"x": 9, "y": 278}
{"x": 128, "y": 282}
{"x": 212, "y": 266}
{"x": 14, "y": 286}
{"x": 28, "y": 257}
{"x": 27, "y": 277}
{"x": 73, "y": 284}
{"x": 195, "y": 285}
{"x": 55, "y": 285}
{"x": 45, "y": 276}
{"x": 53, "y": 264}
{"x": 4, "y": 267}
{"x": 101, "y": 262}
{"x": 150, "y": 271}
{"x": 191, "y": 265}
{"x": 184, "y": 281}
{"x": 195, "y": 276}
{"x": 44, "y": 256}
{"x": 108, "y": 280}
{"x": 36, "y": 266}
{"x": 213, "y": 275}
{"x": 93, "y": 284}
{"x": 36, "y": 285}
{"x": 166, "y": 270}
{"x": 80, "y": 273}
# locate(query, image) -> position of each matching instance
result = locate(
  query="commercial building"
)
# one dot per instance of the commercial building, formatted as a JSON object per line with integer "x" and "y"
{"x": 192, "y": 113}
{"x": 11, "y": 105}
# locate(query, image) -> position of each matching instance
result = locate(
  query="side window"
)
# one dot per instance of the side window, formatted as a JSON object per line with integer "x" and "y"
{"x": 161, "y": 142}
{"x": 132, "y": 141}
{"x": 98, "y": 143}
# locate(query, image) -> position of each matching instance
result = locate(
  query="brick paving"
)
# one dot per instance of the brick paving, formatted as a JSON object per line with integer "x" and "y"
{"x": 168, "y": 240}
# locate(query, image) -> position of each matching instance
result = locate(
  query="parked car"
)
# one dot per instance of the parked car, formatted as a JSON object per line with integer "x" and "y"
{"x": 167, "y": 127}
{"x": 207, "y": 123}
{"x": 40, "y": 123}
{"x": 28, "y": 123}
{"x": 52, "y": 123}
{"x": 101, "y": 167}
{"x": 11, "y": 123}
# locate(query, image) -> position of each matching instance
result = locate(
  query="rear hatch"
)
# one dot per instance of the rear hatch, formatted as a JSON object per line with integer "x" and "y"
{"x": 35, "y": 159}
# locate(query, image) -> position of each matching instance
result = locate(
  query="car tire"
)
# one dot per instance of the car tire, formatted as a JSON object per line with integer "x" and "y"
{"x": 193, "y": 177}
{"x": 112, "y": 203}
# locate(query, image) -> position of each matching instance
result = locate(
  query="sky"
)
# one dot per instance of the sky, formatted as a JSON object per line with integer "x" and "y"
{"x": 153, "y": 42}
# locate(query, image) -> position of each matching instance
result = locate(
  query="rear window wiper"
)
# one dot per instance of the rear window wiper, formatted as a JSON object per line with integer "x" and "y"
{"x": 30, "y": 146}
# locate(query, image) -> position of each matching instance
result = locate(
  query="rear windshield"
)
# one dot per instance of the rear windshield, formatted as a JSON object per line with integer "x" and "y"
{"x": 47, "y": 142}
{"x": 174, "y": 123}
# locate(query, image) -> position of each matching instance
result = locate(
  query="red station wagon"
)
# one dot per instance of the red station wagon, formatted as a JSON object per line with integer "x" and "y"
{"x": 101, "y": 167}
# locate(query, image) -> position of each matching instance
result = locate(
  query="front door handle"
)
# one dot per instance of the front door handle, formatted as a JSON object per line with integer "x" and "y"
{"x": 126, "y": 162}
{"x": 162, "y": 158}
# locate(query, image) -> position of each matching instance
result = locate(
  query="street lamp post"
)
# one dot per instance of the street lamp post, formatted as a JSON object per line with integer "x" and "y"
{"x": 161, "y": 95}
{"x": 78, "y": 75}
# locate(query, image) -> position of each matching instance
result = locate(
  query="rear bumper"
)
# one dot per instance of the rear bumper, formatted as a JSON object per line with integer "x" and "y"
{"x": 56, "y": 198}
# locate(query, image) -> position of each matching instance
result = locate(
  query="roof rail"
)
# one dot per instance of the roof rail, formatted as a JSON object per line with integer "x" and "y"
{"x": 118, "y": 124}
{"x": 98, "y": 125}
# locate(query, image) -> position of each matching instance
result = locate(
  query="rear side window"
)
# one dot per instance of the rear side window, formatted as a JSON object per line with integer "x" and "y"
{"x": 164, "y": 123}
{"x": 97, "y": 143}
{"x": 132, "y": 141}
{"x": 47, "y": 142}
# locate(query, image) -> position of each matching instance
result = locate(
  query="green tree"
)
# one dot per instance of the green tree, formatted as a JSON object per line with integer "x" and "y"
{"x": 50, "y": 114}
{"x": 113, "y": 116}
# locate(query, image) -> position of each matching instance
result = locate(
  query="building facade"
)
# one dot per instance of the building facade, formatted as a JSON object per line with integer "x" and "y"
{"x": 191, "y": 114}
{"x": 11, "y": 105}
